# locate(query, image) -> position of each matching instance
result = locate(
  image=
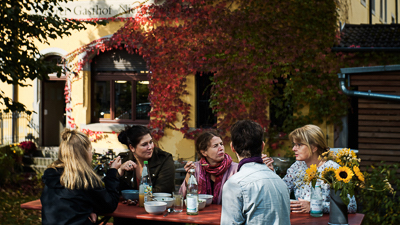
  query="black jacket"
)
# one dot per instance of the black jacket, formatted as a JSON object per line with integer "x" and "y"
{"x": 65, "y": 206}
{"x": 162, "y": 172}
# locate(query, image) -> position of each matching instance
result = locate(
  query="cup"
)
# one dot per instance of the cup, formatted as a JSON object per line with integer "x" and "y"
{"x": 178, "y": 202}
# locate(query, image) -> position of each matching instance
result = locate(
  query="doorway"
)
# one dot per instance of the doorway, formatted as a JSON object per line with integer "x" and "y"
{"x": 53, "y": 112}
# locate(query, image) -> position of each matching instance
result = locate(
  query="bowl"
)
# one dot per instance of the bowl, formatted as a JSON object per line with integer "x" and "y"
{"x": 168, "y": 200}
{"x": 160, "y": 194}
{"x": 155, "y": 207}
{"x": 209, "y": 198}
{"x": 130, "y": 194}
{"x": 202, "y": 203}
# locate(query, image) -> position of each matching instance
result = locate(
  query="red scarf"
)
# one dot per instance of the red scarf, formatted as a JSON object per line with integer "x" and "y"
{"x": 205, "y": 176}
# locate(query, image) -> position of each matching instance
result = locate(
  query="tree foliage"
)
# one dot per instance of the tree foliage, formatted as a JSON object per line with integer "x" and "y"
{"x": 254, "y": 48}
{"x": 22, "y": 23}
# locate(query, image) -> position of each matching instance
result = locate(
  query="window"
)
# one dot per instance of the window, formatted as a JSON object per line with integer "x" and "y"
{"x": 385, "y": 11}
{"x": 205, "y": 116}
{"x": 373, "y": 7}
{"x": 120, "y": 97}
{"x": 120, "y": 88}
{"x": 279, "y": 107}
{"x": 54, "y": 59}
{"x": 364, "y": 3}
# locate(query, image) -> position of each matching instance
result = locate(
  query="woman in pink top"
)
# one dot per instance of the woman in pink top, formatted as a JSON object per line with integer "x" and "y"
{"x": 214, "y": 167}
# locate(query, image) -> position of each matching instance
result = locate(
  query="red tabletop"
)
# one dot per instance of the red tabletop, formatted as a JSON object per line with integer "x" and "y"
{"x": 209, "y": 215}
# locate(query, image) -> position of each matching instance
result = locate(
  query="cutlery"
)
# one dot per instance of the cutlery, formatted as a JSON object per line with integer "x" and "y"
{"x": 169, "y": 210}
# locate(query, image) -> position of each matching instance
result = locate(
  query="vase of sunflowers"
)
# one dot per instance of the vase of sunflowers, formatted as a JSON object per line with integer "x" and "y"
{"x": 342, "y": 180}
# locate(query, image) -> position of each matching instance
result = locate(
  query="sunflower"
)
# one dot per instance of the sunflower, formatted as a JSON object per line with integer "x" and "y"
{"x": 328, "y": 174}
{"x": 358, "y": 173}
{"x": 311, "y": 172}
{"x": 344, "y": 174}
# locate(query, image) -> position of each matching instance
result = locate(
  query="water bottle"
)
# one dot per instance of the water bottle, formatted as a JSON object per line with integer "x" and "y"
{"x": 316, "y": 201}
{"x": 145, "y": 187}
{"x": 192, "y": 196}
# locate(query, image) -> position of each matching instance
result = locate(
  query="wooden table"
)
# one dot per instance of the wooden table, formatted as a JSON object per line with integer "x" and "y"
{"x": 209, "y": 215}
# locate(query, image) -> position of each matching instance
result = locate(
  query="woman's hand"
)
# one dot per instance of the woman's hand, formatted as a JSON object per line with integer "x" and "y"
{"x": 189, "y": 165}
{"x": 93, "y": 217}
{"x": 300, "y": 206}
{"x": 116, "y": 163}
{"x": 127, "y": 166}
{"x": 268, "y": 161}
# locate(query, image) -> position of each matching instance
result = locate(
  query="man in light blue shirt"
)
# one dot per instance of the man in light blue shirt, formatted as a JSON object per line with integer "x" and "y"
{"x": 255, "y": 194}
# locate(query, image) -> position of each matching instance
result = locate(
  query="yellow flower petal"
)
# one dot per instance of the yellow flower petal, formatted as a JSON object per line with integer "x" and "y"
{"x": 344, "y": 174}
{"x": 358, "y": 173}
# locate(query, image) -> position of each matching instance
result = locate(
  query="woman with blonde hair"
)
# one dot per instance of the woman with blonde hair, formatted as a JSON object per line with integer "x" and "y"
{"x": 73, "y": 191}
{"x": 308, "y": 145}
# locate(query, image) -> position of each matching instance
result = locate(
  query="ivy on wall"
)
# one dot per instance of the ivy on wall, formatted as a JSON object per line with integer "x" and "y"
{"x": 249, "y": 45}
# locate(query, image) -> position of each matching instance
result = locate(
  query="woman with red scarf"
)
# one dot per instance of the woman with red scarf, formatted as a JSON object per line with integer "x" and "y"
{"x": 214, "y": 167}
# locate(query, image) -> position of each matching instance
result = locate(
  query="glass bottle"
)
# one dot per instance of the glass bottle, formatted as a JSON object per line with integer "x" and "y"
{"x": 192, "y": 196}
{"x": 145, "y": 187}
{"x": 316, "y": 201}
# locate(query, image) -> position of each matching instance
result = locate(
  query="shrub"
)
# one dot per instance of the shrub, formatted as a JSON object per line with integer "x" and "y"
{"x": 28, "y": 146}
{"x": 380, "y": 207}
{"x": 8, "y": 158}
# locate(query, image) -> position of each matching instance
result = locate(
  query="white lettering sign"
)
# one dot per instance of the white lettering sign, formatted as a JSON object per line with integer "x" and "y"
{"x": 98, "y": 9}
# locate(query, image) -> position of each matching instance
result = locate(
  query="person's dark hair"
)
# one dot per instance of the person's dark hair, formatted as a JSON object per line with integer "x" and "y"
{"x": 203, "y": 141}
{"x": 247, "y": 138}
{"x": 132, "y": 135}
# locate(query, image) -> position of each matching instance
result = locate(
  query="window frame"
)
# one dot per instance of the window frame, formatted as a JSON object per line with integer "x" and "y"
{"x": 372, "y": 7}
{"x": 364, "y": 3}
{"x": 112, "y": 77}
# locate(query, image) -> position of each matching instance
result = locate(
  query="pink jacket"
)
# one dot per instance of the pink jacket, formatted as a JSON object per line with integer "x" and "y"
{"x": 228, "y": 173}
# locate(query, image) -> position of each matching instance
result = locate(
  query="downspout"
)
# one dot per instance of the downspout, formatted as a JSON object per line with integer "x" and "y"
{"x": 342, "y": 85}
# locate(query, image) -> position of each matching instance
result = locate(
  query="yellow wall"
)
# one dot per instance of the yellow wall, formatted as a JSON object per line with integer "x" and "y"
{"x": 23, "y": 95}
{"x": 355, "y": 12}
{"x": 7, "y": 89}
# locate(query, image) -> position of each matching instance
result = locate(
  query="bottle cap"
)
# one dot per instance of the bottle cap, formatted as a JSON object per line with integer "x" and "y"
{"x": 191, "y": 170}
{"x": 145, "y": 162}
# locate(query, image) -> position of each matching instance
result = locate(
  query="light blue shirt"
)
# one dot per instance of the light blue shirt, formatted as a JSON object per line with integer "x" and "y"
{"x": 255, "y": 195}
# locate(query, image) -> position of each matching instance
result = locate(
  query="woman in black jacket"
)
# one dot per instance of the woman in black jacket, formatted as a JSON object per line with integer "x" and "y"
{"x": 141, "y": 146}
{"x": 73, "y": 192}
{"x": 161, "y": 166}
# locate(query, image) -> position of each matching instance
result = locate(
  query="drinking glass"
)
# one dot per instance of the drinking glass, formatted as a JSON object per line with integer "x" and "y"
{"x": 178, "y": 201}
